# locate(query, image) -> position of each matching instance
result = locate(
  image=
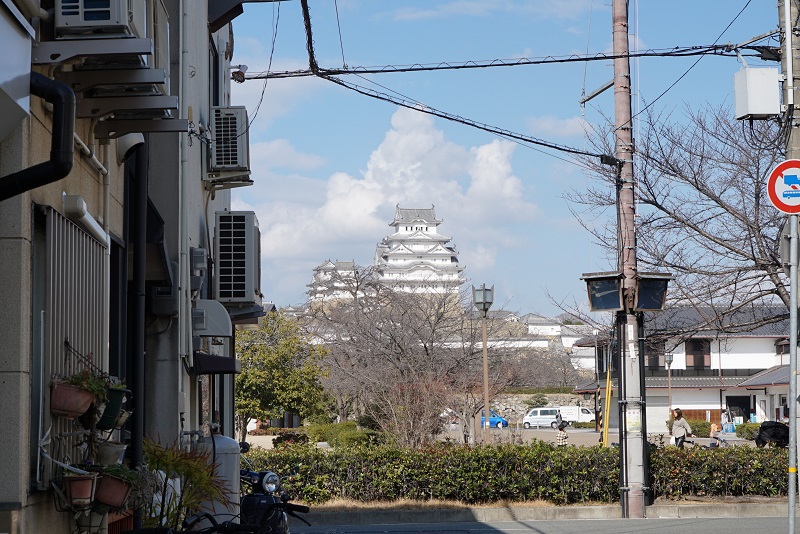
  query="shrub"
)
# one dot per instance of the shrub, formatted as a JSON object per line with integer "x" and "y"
{"x": 747, "y": 430}
{"x": 516, "y": 473}
{"x": 290, "y": 436}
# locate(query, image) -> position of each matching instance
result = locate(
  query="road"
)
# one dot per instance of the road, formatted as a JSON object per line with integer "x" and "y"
{"x": 733, "y": 525}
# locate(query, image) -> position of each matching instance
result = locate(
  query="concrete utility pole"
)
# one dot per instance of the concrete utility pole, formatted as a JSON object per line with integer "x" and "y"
{"x": 631, "y": 403}
{"x": 787, "y": 12}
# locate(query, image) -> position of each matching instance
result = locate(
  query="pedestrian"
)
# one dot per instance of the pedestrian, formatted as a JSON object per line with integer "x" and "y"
{"x": 562, "y": 436}
{"x": 680, "y": 428}
{"x": 714, "y": 435}
{"x": 559, "y": 419}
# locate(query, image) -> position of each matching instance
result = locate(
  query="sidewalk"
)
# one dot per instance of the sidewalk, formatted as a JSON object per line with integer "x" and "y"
{"x": 743, "y": 507}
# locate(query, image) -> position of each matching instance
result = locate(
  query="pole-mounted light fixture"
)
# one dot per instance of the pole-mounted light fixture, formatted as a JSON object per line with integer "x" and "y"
{"x": 651, "y": 291}
{"x": 483, "y": 297}
{"x": 605, "y": 291}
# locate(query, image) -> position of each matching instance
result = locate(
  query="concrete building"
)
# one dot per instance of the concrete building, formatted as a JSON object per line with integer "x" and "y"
{"x": 415, "y": 257}
{"x": 118, "y": 149}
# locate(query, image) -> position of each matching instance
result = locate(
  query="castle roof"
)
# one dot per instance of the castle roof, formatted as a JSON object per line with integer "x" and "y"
{"x": 408, "y": 215}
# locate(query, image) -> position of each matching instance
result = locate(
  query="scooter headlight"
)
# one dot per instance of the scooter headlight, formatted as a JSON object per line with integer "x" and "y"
{"x": 270, "y": 482}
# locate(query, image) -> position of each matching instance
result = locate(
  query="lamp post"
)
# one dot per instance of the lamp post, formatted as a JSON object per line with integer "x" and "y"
{"x": 668, "y": 363}
{"x": 483, "y": 298}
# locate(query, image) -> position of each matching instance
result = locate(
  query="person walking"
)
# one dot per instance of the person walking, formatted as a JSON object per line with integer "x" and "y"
{"x": 680, "y": 428}
{"x": 562, "y": 437}
{"x": 559, "y": 418}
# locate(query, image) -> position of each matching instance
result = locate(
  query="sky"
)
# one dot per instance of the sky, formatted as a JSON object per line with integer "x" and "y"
{"x": 330, "y": 165}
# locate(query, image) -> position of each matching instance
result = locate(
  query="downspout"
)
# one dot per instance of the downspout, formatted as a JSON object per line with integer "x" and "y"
{"x": 61, "y": 153}
{"x": 185, "y": 307}
{"x": 137, "y": 300}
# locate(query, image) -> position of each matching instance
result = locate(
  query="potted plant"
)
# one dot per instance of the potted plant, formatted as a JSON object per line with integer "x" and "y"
{"x": 116, "y": 395}
{"x": 115, "y": 484}
{"x": 79, "y": 489}
{"x": 176, "y": 483}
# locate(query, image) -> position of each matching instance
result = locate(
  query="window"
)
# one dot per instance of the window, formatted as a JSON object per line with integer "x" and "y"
{"x": 654, "y": 352}
{"x": 698, "y": 354}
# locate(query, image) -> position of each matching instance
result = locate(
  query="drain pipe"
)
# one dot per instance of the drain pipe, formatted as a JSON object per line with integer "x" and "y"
{"x": 61, "y": 152}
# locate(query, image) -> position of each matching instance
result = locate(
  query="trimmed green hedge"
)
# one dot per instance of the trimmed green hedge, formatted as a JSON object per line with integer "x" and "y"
{"x": 516, "y": 473}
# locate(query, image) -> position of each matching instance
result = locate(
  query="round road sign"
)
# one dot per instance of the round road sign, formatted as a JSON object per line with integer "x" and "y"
{"x": 783, "y": 186}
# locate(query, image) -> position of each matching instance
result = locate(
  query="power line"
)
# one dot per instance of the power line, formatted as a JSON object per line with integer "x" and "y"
{"x": 417, "y": 106}
{"x": 727, "y": 50}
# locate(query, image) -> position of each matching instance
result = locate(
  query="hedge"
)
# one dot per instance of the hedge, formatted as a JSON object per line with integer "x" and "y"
{"x": 517, "y": 473}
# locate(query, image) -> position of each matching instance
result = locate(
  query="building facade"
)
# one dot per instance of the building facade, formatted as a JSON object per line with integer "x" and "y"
{"x": 115, "y": 217}
{"x": 713, "y": 368}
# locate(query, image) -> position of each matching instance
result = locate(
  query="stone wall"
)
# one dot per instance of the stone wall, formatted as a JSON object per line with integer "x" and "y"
{"x": 514, "y": 407}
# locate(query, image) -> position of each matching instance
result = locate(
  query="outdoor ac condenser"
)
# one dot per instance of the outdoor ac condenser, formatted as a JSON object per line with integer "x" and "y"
{"x": 89, "y": 18}
{"x": 229, "y": 140}
{"x": 237, "y": 258}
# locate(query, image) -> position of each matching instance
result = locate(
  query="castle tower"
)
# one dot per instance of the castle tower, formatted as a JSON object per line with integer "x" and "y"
{"x": 415, "y": 257}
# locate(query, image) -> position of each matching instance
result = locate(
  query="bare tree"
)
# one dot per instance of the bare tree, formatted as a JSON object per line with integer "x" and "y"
{"x": 404, "y": 357}
{"x": 703, "y": 213}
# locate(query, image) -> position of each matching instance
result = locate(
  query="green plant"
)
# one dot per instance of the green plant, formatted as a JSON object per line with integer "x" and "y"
{"x": 289, "y": 437}
{"x": 747, "y": 430}
{"x": 122, "y": 472}
{"x": 93, "y": 383}
{"x": 169, "y": 467}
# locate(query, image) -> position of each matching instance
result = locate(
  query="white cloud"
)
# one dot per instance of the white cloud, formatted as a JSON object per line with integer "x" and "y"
{"x": 549, "y": 126}
{"x": 414, "y": 166}
{"x": 280, "y": 153}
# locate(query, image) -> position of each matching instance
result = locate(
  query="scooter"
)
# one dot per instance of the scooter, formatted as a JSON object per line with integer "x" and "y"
{"x": 266, "y": 503}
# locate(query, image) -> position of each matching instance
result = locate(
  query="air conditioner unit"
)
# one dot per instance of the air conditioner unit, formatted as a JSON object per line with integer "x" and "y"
{"x": 143, "y": 19}
{"x": 230, "y": 146}
{"x": 237, "y": 258}
{"x": 90, "y": 18}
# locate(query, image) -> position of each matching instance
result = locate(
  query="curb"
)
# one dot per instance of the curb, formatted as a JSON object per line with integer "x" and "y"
{"x": 772, "y": 508}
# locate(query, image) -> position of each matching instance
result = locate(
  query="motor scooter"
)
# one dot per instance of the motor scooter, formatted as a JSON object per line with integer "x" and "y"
{"x": 265, "y": 502}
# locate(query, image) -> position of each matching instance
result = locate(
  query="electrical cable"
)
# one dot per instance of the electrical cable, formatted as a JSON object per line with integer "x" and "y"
{"x": 690, "y": 67}
{"x": 686, "y": 51}
{"x": 339, "y": 27}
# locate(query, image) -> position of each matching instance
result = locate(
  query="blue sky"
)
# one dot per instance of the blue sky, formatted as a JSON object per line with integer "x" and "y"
{"x": 330, "y": 165}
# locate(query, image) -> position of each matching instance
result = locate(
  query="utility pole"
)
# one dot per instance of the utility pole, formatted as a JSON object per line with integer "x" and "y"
{"x": 631, "y": 391}
{"x": 787, "y": 12}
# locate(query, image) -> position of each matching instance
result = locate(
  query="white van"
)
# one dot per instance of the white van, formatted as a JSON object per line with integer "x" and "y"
{"x": 546, "y": 416}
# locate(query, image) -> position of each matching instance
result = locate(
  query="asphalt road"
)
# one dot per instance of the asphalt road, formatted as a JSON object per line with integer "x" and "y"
{"x": 733, "y": 525}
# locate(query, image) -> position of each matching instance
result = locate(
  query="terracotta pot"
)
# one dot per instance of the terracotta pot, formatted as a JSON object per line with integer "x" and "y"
{"x": 79, "y": 489}
{"x": 112, "y": 491}
{"x": 69, "y": 401}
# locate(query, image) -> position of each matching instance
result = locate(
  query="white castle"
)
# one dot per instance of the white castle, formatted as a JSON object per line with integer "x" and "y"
{"x": 416, "y": 258}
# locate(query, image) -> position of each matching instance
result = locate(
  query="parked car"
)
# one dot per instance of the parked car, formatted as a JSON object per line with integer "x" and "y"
{"x": 548, "y": 416}
{"x": 540, "y": 417}
{"x": 495, "y": 420}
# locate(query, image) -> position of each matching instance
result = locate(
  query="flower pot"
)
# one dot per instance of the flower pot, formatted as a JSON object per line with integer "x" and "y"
{"x": 112, "y": 491}
{"x": 79, "y": 490}
{"x": 110, "y": 452}
{"x": 89, "y": 522}
{"x": 116, "y": 397}
{"x": 69, "y": 401}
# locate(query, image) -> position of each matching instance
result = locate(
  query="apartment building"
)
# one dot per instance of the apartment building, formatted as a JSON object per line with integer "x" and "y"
{"x": 119, "y": 146}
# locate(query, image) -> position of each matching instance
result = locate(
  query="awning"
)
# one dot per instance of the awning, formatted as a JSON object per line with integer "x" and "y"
{"x": 212, "y": 364}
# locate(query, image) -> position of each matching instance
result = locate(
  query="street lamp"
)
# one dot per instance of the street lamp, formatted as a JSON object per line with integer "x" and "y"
{"x": 668, "y": 363}
{"x": 483, "y": 298}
